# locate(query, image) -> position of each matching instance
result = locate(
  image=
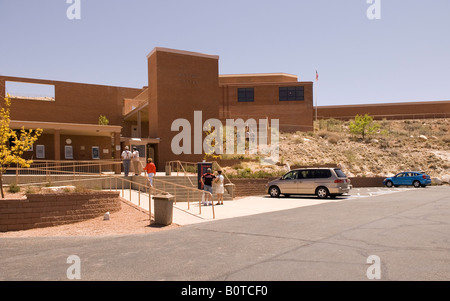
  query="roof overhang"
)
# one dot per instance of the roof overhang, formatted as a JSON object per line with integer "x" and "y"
{"x": 133, "y": 115}
{"x": 139, "y": 141}
{"x": 68, "y": 128}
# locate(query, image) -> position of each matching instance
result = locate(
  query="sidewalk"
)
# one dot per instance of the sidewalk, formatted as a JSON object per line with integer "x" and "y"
{"x": 242, "y": 206}
{"x": 238, "y": 207}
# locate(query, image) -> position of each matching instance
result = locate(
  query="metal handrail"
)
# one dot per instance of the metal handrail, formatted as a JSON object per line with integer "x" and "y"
{"x": 48, "y": 168}
{"x": 180, "y": 163}
{"x": 224, "y": 174}
{"x": 48, "y": 172}
{"x": 140, "y": 185}
{"x": 213, "y": 163}
{"x": 193, "y": 189}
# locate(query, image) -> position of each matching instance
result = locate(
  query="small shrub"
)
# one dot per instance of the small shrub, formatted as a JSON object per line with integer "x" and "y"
{"x": 299, "y": 140}
{"x": 32, "y": 189}
{"x": 323, "y": 134}
{"x": 81, "y": 189}
{"x": 237, "y": 166}
{"x": 13, "y": 188}
{"x": 333, "y": 138}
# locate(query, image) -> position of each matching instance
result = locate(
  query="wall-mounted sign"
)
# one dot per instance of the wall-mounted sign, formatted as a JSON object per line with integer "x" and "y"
{"x": 40, "y": 151}
{"x": 95, "y": 152}
{"x": 68, "y": 152}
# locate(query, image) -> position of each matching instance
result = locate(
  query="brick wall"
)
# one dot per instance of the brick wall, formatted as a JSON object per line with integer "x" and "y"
{"x": 367, "y": 182}
{"x": 249, "y": 187}
{"x": 408, "y": 110}
{"x": 46, "y": 210}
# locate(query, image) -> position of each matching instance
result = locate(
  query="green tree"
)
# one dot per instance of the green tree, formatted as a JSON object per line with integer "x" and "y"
{"x": 13, "y": 143}
{"x": 102, "y": 120}
{"x": 363, "y": 125}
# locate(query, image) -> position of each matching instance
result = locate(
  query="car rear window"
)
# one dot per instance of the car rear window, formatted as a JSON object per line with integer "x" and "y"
{"x": 339, "y": 173}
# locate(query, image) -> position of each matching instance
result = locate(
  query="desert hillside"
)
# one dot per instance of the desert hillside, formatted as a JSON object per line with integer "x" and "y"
{"x": 397, "y": 145}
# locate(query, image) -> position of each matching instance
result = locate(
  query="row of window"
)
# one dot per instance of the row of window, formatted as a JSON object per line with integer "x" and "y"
{"x": 285, "y": 94}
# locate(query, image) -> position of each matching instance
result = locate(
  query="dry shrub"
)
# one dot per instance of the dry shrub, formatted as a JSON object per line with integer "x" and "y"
{"x": 333, "y": 138}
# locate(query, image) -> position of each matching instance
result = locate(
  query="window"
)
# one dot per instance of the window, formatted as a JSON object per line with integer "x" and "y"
{"x": 31, "y": 91}
{"x": 321, "y": 173}
{"x": 304, "y": 174}
{"x": 292, "y": 175}
{"x": 314, "y": 173}
{"x": 292, "y": 93}
{"x": 246, "y": 94}
{"x": 340, "y": 173}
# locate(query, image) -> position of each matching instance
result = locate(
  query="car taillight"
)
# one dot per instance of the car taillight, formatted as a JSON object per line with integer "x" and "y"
{"x": 424, "y": 176}
{"x": 340, "y": 181}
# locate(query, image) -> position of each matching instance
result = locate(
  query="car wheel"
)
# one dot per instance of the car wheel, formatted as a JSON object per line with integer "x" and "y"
{"x": 416, "y": 184}
{"x": 322, "y": 192}
{"x": 274, "y": 191}
{"x": 389, "y": 184}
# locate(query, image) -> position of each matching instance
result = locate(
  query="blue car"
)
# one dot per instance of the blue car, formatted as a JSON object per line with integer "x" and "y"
{"x": 408, "y": 178}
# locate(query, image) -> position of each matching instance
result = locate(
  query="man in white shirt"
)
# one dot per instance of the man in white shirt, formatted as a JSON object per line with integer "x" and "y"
{"x": 126, "y": 157}
{"x": 135, "y": 160}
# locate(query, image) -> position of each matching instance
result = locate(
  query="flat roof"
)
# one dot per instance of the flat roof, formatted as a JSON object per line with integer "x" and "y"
{"x": 183, "y": 52}
{"x": 258, "y": 75}
{"x": 435, "y": 102}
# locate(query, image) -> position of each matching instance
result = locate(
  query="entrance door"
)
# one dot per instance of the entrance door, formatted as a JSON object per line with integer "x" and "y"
{"x": 152, "y": 153}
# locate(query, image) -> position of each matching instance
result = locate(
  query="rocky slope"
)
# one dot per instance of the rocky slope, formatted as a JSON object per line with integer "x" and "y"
{"x": 421, "y": 145}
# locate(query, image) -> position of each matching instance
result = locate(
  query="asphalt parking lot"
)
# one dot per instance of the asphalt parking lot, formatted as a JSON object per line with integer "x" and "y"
{"x": 407, "y": 231}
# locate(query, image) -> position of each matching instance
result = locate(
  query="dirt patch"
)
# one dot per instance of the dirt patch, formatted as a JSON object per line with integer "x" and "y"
{"x": 129, "y": 220}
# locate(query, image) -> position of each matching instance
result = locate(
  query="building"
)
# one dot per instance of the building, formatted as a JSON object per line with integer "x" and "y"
{"x": 401, "y": 110}
{"x": 179, "y": 84}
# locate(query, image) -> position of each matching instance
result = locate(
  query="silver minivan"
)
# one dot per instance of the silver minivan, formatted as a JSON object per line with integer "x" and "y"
{"x": 322, "y": 182}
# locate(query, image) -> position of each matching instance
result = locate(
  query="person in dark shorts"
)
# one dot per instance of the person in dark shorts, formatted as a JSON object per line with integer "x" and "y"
{"x": 207, "y": 180}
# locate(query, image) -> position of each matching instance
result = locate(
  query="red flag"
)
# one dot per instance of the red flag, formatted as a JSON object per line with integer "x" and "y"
{"x": 317, "y": 76}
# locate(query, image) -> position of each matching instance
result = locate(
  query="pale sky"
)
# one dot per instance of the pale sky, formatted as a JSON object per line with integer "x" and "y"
{"x": 403, "y": 56}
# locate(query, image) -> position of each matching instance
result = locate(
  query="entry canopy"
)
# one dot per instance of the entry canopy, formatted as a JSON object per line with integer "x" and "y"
{"x": 68, "y": 128}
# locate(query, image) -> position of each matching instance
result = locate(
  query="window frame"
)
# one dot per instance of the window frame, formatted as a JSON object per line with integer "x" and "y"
{"x": 249, "y": 94}
{"x": 298, "y": 93}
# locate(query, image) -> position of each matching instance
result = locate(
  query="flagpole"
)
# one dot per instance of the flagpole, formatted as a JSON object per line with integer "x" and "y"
{"x": 316, "y": 101}
{"x": 317, "y": 79}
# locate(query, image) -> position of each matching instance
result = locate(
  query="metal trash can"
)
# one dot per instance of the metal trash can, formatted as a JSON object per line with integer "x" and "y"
{"x": 168, "y": 170}
{"x": 230, "y": 188}
{"x": 163, "y": 204}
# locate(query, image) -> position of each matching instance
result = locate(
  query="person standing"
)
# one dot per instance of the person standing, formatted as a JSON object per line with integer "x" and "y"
{"x": 219, "y": 187}
{"x": 150, "y": 169}
{"x": 126, "y": 157}
{"x": 135, "y": 160}
{"x": 207, "y": 180}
